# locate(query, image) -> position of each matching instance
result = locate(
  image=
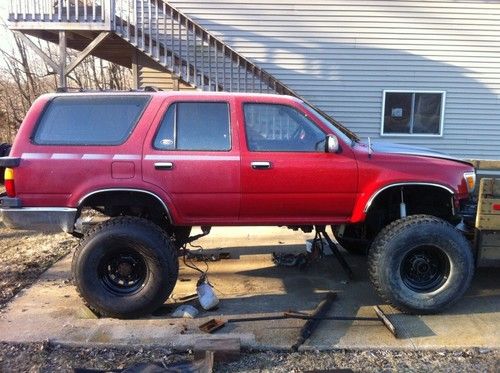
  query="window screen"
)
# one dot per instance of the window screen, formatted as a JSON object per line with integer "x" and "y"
{"x": 412, "y": 113}
{"x": 195, "y": 126}
{"x": 89, "y": 120}
{"x": 273, "y": 127}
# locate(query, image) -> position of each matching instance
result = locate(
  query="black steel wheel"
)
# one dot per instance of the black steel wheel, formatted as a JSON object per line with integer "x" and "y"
{"x": 425, "y": 269}
{"x": 125, "y": 268}
{"x": 122, "y": 271}
{"x": 420, "y": 264}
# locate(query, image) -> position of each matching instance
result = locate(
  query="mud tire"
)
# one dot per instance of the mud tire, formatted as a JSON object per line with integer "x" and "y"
{"x": 405, "y": 249}
{"x": 125, "y": 268}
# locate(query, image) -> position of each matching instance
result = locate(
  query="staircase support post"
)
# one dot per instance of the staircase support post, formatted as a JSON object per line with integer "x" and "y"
{"x": 135, "y": 69}
{"x": 62, "y": 61}
{"x": 40, "y": 52}
{"x": 86, "y": 52}
{"x": 175, "y": 80}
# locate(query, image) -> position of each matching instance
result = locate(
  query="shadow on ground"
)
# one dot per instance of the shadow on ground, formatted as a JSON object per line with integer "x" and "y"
{"x": 249, "y": 284}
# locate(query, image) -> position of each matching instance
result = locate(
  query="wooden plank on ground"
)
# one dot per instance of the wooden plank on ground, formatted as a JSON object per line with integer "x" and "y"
{"x": 224, "y": 349}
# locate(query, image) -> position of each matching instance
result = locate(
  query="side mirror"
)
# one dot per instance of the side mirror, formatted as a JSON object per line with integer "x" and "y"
{"x": 332, "y": 144}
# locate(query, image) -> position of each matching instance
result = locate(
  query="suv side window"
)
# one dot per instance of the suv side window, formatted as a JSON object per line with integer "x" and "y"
{"x": 89, "y": 120}
{"x": 195, "y": 126}
{"x": 281, "y": 128}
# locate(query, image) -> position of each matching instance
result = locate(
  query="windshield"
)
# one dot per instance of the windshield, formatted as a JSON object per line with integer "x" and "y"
{"x": 346, "y": 134}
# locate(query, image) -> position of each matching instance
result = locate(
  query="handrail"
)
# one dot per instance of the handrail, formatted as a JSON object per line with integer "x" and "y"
{"x": 188, "y": 50}
{"x": 54, "y": 12}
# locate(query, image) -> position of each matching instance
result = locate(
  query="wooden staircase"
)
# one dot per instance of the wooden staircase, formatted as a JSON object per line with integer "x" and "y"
{"x": 160, "y": 34}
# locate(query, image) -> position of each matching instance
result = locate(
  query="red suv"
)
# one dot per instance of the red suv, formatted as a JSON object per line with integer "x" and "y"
{"x": 158, "y": 163}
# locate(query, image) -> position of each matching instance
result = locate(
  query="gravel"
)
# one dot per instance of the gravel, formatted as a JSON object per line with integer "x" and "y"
{"x": 369, "y": 361}
{"x": 46, "y": 357}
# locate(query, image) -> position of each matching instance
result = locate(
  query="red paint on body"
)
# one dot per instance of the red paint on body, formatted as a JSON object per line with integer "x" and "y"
{"x": 221, "y": 187}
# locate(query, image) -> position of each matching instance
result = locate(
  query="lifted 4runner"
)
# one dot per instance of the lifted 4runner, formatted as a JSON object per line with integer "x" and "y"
{"x": 158, "y": 163}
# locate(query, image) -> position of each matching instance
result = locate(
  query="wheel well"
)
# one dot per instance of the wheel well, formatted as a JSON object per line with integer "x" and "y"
{"x": 419, "y": 199}
{"x": 132, "y": 203}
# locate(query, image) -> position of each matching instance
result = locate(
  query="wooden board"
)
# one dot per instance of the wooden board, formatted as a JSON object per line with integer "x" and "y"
{"x": 488, "y": 222}
{"x": 224, "y": 349}
{"x": 485, "y": 164}
{"x": 488, "y": 208}
{"x": 489, "y": 248}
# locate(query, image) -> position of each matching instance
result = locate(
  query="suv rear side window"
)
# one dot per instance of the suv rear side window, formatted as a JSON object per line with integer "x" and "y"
{"x": 89, "y": 120}
{"x": 195, "y": 126}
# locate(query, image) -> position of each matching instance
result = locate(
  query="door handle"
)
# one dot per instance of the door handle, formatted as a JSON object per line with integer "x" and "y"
{"x": 164, "y": 166}
{"x": 261, "y": 165}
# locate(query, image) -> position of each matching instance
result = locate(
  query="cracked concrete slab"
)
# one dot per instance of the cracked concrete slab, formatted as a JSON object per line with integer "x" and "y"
{"x": 249, "y": 284}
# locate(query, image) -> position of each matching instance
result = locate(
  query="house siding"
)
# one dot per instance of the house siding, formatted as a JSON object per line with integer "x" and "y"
{"x": 151, "y": 77}
{"x": 342, "y": 56}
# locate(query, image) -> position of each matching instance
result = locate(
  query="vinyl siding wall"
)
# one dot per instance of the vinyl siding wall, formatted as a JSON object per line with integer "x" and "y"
{"x": 341, "y": 55}
{"x": 160, "y": 79}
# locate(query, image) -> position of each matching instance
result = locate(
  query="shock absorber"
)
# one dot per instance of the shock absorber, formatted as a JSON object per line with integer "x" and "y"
{"x": 402, "y": 206}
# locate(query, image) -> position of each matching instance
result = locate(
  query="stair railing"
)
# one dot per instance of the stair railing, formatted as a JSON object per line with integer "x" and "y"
{"x": 81, "y": 14}
{"x": 188, "y": 50}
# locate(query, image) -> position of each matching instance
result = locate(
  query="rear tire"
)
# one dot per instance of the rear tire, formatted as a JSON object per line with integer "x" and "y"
{"x": 125, "y": 268}
{"x": 420, "y": 264}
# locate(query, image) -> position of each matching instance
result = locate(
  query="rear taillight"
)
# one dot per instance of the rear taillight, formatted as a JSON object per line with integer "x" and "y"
{"x": 9, "y": 182}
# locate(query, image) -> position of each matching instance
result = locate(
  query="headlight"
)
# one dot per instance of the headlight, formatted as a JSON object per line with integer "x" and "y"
{"x": 470, "y": 181}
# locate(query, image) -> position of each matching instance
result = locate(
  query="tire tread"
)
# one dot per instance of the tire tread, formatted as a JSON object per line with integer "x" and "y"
{"x": 115, "y": 222}
{"x": 389, "y": 233}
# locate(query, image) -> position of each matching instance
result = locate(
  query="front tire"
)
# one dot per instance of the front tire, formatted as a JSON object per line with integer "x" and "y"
{"x": 125, "y": 268}
{"x": 420, "y": 264}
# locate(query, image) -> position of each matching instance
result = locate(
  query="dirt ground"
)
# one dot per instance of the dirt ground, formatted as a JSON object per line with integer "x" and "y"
{"x": 25, "y": 255}
{"x": 44, "y": 357}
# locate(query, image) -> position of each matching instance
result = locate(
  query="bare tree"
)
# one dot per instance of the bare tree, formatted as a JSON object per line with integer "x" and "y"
{"x": 24, "y": 76}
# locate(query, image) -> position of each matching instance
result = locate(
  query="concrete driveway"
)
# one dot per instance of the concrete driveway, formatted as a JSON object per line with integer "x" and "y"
{"x": 249, "y": 284}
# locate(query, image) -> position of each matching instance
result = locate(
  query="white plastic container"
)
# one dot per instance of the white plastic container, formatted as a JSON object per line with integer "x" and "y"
{"x": 326, "y": 248}
{"x": 186, "y": 311}
{"x": 206, "y": 296}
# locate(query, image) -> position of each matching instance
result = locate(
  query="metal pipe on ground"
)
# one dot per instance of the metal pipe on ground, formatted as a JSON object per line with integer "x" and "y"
{"x": 311, "y": 324}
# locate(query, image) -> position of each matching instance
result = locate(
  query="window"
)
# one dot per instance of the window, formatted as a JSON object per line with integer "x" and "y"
{"x": 89, "y": 120}
{"x": 413, "y": 113}
{"x": 271, "y": 127}
{"x": 195, "y": 126}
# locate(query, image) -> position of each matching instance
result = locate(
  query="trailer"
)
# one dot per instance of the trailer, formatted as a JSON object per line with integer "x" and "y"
{"x": 487, "y": 223}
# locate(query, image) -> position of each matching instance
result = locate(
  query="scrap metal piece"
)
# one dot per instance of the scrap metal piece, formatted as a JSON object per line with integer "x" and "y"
{"x": 302, "y": 316}
{"x": 258, "y": 318}
{"x": 212, "y": 325}
{"x": 312, "y": 323}
{"x": 388, "y": 324}
{"x": 187, "y": 298}
{"x": 290, "y": 260}
{"x": 207, "y": 257}
{"x": 318, "y": 315}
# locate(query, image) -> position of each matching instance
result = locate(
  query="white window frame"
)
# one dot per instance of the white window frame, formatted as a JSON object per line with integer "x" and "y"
{"x": 441, "y": 122}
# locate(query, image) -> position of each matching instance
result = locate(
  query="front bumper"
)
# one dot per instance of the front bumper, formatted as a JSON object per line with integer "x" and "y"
{"x": 46, "y": 219}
